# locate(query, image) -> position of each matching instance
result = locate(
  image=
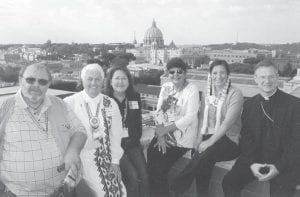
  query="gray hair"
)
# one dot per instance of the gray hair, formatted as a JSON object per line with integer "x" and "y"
{"x": 39, "y": 66}
{"x": 94, "y": 67}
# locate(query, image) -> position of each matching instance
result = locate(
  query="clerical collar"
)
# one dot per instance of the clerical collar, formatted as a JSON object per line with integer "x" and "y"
{"x": 88, "y": 99}
{"x": 267, "y": 98}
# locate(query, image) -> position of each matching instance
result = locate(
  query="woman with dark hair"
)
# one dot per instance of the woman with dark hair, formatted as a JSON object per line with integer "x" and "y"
{"x": 176, "y": 125}
{"x": 220, "y": 124}
{"x": 133, "y": 164}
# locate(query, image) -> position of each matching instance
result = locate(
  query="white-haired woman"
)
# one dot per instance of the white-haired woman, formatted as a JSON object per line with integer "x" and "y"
{"x": 102, "y": 119}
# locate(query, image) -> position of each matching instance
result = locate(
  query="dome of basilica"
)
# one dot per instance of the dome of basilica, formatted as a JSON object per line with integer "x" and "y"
{"x": 154, "y": 35}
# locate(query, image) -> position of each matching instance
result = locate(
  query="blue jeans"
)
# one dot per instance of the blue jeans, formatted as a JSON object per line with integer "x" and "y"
{"x": 134, "y": 172}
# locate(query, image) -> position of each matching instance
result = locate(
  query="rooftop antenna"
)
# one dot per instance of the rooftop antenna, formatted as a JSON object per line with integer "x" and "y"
{"x": 237, "y": 38}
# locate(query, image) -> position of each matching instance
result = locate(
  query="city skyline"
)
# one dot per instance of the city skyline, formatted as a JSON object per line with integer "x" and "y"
{"x": 184, "y": 22}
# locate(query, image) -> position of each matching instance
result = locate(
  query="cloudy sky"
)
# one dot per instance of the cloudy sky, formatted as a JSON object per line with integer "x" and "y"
{"x": 184, "y": 21}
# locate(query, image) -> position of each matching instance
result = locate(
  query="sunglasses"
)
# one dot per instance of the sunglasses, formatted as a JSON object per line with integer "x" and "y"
{"x": 172, "y": 72}
{"x": 31, "y": 80}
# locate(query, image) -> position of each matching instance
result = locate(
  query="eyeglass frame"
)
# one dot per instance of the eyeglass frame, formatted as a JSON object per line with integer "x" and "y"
{"x": 120, "y": 79}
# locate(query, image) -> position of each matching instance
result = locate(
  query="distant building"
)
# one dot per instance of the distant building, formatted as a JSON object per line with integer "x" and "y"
{"x": 230, "y": 56}
{"x": 293, "y": 86}
{"x": 149, "y": 95}
{"x": 152, "y": 49}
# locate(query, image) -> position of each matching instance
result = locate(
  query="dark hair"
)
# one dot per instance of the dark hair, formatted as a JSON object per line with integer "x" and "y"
{"x": 265, "y": 63}
{"x": 176, "y": 62}
{"x": 219, "y": 63}
{"x": 39, "y": 65}
{"x": 108, "y": 89}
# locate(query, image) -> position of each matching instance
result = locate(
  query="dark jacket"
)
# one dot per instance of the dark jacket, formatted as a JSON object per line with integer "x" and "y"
{"x": 285, "y": 143}
{"x": 133, "y": 122}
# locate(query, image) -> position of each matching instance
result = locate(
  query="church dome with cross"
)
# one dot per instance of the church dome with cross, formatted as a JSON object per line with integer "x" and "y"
{"x": 153, "y": 36}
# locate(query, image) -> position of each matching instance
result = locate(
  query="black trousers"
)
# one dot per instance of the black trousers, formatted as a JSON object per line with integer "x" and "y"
{"x": 283, "y": 185}
{"x": 134, "y": 172}
{"x": 159, "y": 165}
{"x": 201, "y": 166}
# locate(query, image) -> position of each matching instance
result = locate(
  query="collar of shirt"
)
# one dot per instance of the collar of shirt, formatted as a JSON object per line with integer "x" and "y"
{"x": 90, "y": 100}
{"x": 20, "y": 102}
{"x": 93, "y": 102}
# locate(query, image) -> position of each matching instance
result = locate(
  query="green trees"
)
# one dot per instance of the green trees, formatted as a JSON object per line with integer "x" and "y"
{"x": 150, "y": 77}
{"x": 251, "y": 60}
{"x": 241, "y": 68}
{"x": 10, "y": 74}
{"x": 287, "y": 70}
{"x": 201, "y": 60}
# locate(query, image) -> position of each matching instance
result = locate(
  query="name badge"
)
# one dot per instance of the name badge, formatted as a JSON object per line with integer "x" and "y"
{"x": 133, "y": 105}
{"x": 125, "y": 132}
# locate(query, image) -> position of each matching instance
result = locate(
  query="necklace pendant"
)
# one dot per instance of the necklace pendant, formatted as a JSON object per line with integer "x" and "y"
{"x": 94, "y": 122}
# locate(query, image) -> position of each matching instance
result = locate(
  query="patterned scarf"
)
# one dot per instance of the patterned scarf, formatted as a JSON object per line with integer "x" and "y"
{"x": 211, "y": 99}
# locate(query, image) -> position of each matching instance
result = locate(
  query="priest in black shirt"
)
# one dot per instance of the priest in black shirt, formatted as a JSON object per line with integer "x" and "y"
{"x": 270, "y": 138}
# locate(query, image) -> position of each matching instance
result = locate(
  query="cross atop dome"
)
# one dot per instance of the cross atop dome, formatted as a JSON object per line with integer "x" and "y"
{"x": 153, "y": 23}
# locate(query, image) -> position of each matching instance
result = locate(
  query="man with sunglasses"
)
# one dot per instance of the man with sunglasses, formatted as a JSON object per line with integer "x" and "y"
{"x": 270, "y": 138}
{"x": 40, "y": 139}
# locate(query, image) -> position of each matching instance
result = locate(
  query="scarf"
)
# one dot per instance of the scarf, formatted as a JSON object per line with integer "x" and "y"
{"x": 211, "y": 99}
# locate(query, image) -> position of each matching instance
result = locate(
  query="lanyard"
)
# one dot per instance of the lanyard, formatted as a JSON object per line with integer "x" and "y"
{"x": 37, "y": 123}
{"x": 124, "y": 117}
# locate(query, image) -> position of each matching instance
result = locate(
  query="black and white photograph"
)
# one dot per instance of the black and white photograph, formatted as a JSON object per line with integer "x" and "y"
{"x": 149, "y": 98}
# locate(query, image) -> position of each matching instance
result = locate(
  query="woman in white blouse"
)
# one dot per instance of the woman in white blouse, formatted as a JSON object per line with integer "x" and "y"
{"x": 176, "y": 129}
{"x": 101, "y": 117}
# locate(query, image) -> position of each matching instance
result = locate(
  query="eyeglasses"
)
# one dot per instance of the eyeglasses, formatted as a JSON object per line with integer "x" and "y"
{"x": 172, "y": 72}
{"x": 120, "y": 79}
{"x": 31, "y": 80}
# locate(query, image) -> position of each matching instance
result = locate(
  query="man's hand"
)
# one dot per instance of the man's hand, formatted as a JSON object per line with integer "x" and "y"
{"x": 255, "y": 168}
{"x": 161, "y": 144}
{"x": 115, "y": 169}
{"x": 72, "y": 160}
{"x": 204, "y": 145}
{"x": 271, "y": 174}
{"x": 72, "y": 165}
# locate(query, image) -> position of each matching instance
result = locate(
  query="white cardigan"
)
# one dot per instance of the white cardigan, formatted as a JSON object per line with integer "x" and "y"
{"x": 189, "y": 102}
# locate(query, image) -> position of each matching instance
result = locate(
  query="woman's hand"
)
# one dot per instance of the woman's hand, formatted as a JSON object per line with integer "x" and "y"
{"x": 204, "y": 145}
{"x": 159, "y": 130}
{"x": 161, "y": 144}
{"x": 115, "y": 169}
{"x": 198, "y": 142}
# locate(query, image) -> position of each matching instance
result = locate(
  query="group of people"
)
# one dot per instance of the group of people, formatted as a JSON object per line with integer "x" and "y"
{"x": 90, "y": 141}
